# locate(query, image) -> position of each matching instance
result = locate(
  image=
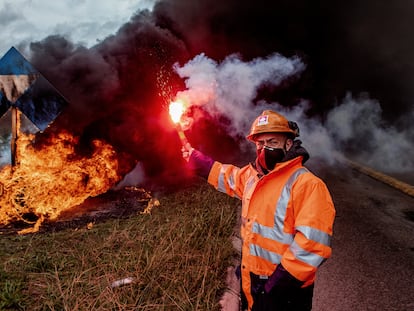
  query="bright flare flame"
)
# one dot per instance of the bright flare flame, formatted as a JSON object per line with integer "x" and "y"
{"x": 176, "y": 110}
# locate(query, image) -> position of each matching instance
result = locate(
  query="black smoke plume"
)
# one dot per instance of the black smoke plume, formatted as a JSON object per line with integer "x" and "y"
{"x": 119, "y": 89}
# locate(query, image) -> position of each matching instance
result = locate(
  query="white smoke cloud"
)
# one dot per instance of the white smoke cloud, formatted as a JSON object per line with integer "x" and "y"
{"x": 355, "y": 127}
{"x": 133, "y": 178}
{"x": 229, "y": 88}
{"x": 360, "y": 132}
{"x": 356, "y": 130}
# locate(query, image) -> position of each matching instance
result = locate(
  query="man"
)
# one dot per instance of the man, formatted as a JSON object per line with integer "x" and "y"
{"x": 287, "y": 215}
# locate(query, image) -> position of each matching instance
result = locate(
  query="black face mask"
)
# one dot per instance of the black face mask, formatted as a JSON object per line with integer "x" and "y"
{"x": 268, "y": 157}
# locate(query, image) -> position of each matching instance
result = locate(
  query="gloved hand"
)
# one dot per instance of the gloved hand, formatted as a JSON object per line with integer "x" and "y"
{"x": 200, "y": 163}
{"x": 282, "y": 278}
{"x": 187, "y": 150}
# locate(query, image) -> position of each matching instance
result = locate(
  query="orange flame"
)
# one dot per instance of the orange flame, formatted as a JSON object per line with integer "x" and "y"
{"x": 48, "y": 181}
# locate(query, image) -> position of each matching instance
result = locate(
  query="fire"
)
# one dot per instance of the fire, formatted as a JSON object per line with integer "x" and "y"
{"x": 46, "y": 182}
{"x": 176, "y": 110}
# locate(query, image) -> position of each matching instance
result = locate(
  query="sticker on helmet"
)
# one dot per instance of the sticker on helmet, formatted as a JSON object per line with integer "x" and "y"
{"x": 262, "y": 120}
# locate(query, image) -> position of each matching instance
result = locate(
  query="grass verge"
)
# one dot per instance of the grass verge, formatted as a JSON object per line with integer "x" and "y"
{"x": 177, "y": 257}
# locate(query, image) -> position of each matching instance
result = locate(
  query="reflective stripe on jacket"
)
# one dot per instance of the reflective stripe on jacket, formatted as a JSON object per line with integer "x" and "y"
{"x": 287, "y": 217}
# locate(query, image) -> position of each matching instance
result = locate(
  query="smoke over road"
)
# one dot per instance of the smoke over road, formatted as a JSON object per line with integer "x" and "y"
{"x": 342, "y": 70}
{"x": 354, "y": 127}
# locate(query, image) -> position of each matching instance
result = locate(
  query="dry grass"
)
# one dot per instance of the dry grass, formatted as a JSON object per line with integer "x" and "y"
{"x": 177, "y": 257}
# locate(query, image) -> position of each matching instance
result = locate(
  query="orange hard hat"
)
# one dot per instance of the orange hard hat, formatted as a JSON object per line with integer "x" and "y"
{"x": 272, "y": 122}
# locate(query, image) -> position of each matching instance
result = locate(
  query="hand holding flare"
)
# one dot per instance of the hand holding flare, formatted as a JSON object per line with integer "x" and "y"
{"x": 176, "y": 110}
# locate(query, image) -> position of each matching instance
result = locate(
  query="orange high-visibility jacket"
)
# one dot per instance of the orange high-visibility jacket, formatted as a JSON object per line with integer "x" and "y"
{"x": 287, "y": 218}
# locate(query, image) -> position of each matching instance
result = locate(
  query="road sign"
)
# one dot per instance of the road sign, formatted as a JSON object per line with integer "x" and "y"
{"x": 23, "y": 89}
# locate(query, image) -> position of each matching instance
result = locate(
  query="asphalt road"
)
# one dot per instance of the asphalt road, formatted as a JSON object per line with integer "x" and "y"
{"x": 372, "y": 265}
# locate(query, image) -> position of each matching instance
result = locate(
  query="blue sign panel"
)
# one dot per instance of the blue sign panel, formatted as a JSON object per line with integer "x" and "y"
{"x": 22, "y": 86}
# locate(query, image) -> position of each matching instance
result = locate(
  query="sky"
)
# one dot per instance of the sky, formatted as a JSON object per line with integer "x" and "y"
{"x": 81, "y": 21}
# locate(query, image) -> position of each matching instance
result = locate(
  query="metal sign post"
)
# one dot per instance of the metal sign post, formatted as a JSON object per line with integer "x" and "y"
{"x": 14, "y": 129}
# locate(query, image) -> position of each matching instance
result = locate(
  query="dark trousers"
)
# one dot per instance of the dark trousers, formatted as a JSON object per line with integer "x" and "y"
{"x": 282, "y": 298}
